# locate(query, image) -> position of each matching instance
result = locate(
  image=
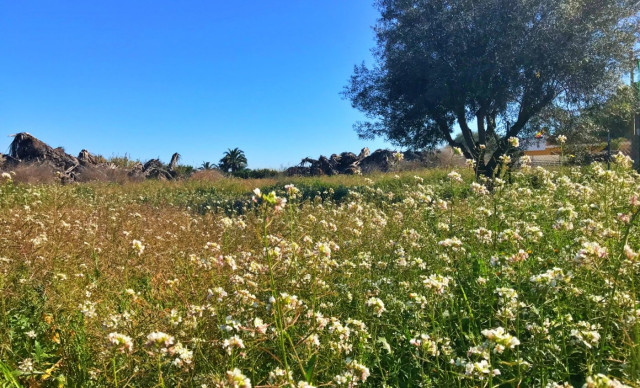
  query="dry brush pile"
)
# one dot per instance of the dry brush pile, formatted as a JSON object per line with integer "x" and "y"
{"x": 407, "y": 281}
{"x": 32, "y": 160}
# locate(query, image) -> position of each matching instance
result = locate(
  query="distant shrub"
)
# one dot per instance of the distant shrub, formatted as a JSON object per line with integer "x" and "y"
{"x": 92, "y": 175}
{"x": 579, "y": 154}
{"x": 312, "y": 188}
{"x": 207, "y": 175}
{"x": 256, "y": 174}
{"x": 617, "y": 143}
{"x": 100, "y": 159}
{"x": 444, "y": 158}
{"x": 184, "y": 171}
{"x": 123, "y": 161}
{"x": 121, "y": 177}
{"x": 35, "y": 174}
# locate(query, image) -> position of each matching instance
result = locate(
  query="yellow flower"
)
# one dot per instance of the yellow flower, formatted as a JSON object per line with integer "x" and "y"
{"x": 48, "y": 318}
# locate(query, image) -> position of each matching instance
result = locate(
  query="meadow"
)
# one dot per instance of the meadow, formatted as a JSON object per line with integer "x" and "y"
{"x": 416, "y": 279}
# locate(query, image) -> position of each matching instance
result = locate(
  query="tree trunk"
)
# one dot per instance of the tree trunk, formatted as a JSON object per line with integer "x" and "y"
{"x": 481, "y": 166}
{"x": 482, "y": 134}
{"x": 467, "y": 135}
{"x": 494, "y": 162}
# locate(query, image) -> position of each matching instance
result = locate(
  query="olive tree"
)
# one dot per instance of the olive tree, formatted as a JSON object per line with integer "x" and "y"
{"x": 489, "y": 64}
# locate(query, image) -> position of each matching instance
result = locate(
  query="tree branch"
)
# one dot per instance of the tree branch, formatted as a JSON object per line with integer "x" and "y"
{"x": 445, "y": 129}
{"x": 523, "y": 117}
{"x": 467, "y": 134}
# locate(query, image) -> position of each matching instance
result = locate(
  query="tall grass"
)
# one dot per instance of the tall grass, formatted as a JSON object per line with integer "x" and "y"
{"x": 411, "y": 279}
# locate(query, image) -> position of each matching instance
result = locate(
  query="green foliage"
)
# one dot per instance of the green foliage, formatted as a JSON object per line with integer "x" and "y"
{"x": 590, "y": 123}
{"x": 184, "y": 171}
{"x": 207, "y": 166}
{"x": 100, "y": 159}
{"x": 123, "y": 161}
{"x": 319, "y": 188}
{"x": 256, "y": 174}
{"x": 233, "y": 160}
{"x": 616, "y": 114}
{"x": 33, "y": 338}
{"x": 8, "y": 377}
{"x": 497, "y": 62}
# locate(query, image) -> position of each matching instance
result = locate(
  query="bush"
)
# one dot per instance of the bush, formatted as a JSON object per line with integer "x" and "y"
{"x": 123, "y": 161}
{"x": 207, "y": 175}
{"x": 184, "y": 171}
{"x": 35, "y": 173}
{"x": 256, "y": 174}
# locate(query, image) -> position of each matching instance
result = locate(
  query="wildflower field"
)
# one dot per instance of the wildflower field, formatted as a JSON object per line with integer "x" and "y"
{"x": 428, "y": 279}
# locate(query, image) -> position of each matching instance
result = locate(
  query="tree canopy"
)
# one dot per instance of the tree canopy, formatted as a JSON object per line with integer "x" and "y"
{"x": 592, "y": 122}
{"x": 206, "y": 166}
{"x": 495, "y": 63}
{"x": 233, "y": 160}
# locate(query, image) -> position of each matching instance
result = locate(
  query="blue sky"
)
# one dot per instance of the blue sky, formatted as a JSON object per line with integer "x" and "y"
{"x": 149, "y": 78}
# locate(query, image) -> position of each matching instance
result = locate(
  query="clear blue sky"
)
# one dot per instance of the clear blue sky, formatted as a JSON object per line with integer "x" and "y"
{"x": 149, "y": 78}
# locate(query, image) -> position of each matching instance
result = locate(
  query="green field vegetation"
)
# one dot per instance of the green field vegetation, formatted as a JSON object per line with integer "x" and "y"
{"x": 424, "y": 278}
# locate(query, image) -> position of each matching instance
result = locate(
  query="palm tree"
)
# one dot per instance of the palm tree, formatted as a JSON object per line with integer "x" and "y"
{"x": 206, "y": 166}
{"x": 233, "y": 160}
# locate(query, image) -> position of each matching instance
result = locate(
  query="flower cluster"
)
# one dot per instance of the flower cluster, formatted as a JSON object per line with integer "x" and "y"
{"x": 500, "y": 339}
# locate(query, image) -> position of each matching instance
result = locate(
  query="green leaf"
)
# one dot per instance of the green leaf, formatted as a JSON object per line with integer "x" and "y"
{"x": 8, "y": 376}
{"x": 40, "y": 353}
{"x": 311, "y": 366}
{"x": 385, "y": 344}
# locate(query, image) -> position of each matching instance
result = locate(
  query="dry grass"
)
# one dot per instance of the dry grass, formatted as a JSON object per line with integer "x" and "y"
{"x": 34, "y": 174}
{"x": 207, "y": 176}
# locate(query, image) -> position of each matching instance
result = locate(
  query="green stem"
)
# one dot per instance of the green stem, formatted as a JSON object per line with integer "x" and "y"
{"x": 160, "y": 379}
{"x": 274, "y": 293}
{"x": 635, "y": 349}
{"x": 115, "y": 372}
{"x": 614, "y": 289}
{"x": 490, "y": 373}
